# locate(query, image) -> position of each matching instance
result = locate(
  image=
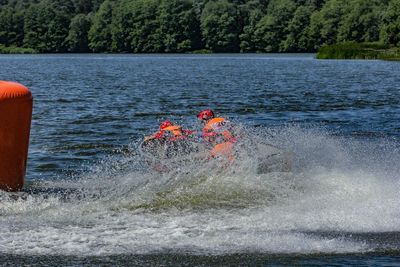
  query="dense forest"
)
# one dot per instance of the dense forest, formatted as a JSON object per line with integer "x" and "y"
{"x": 153, "y": 26}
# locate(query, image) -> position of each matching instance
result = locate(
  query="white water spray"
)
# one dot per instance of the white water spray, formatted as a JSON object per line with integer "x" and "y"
{"x": 338, "y": 185}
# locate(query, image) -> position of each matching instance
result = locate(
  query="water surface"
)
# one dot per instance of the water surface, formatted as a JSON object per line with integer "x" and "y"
{"x": 88, "y": 199}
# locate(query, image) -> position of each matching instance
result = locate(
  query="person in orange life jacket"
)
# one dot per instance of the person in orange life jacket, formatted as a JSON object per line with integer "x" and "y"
{"x": 216, "y": 131}
{"x": 169, "y": 131}
{"x": 169, "y": 134}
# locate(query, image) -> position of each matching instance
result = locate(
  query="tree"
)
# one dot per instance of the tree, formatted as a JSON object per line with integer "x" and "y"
{"x": 272, "y": 28}
{"x": 253, "y": 11}
{"x": 361, "y": 21}
{"x": 149, "y": 26}
{"x": 315, "y": 4}
{"x": 63, "y": 6}
{"x": 100, "y": 36}
{"x": 220, "y": 26}
{"x": 390, "y": 31}
{"x": 45, "y": 28}
{"x": 83, "y": 6}
{"x": 324, "y": 23}
{"x": 136, "y": 27}
{"x": 146, "y": 35}
{"x": 296, "y": 39}
{"x": 179, "y": 25}
{"x": 122, "y": 25}
{"x": 11, "y": 27}
{"x": 77, "y": 40}
{"x": 20, "y": 5}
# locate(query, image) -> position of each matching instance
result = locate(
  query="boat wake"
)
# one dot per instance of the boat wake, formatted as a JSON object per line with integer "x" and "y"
{"x": 340, "y": 196}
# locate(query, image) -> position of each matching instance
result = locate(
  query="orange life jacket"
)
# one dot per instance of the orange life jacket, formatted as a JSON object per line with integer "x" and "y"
{"x": 223, "y": 150}
{"x": 174, "y": 132}
{"x": 217, "y": 127}
{"x": 174, "y": 129}
{"x": 211, "y": 129}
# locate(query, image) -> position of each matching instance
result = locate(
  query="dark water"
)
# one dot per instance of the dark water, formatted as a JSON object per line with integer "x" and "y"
{"x": 86, "y": 202}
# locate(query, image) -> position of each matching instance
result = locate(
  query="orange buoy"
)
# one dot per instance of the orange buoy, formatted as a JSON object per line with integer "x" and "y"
{"x": 15, "y": 124}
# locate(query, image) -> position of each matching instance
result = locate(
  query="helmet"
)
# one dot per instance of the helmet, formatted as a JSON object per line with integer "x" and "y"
{"x": 206, "y": 114}
{"x": 166, "y": 124}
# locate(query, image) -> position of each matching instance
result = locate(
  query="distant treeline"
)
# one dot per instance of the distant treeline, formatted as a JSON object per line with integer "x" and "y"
{"x": 154, "y": 26}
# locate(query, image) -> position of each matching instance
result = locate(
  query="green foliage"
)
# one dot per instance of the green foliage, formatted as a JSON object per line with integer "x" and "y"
{"x": 145, "y": 35}
{"x": 63, "y": 6}
{"x": 220, "y": 26}
{"x": 361, "y": 21}
{"x": 353, "y": 50}
{"x": 11, "y": 27}
{"x": 324, "y": 24}
{"x": 100, "y": 32}
{"x": 272, "y": 28}
{"x": 83, "y": 6}
{"x": 297, "y": 39}
{"x": 77, "y": 40}
{"x": 45, "y": 28}
{"x": 201, "y": 51}
{"x": 179, "y": 26}
{"x": 390, "y": 30}
{"x": 253, "y": 12}
{"x": 16, "y": 50}
{"x": 169, "y": 26}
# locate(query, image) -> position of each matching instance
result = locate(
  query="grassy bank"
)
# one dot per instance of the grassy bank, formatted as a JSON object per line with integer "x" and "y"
{"x": 359, "y": 51}
{"x": 16, "y": 50}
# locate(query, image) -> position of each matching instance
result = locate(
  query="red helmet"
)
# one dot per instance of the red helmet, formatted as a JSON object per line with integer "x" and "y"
{"x": 206, "y": 114}
{"x": 166, "y": 124}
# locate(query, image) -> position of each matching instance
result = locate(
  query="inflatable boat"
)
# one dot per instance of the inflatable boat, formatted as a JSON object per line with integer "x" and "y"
{"x": 163, "y": 155}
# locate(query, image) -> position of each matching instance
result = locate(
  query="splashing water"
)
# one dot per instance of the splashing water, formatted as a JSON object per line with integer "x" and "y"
{"x": 341, "y": 196}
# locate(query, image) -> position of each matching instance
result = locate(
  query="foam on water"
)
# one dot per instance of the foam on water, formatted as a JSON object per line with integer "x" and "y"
{"x": 339, "y": 186}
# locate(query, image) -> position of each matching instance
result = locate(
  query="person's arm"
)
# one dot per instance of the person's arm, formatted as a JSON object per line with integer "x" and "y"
{"x": 157, "y": 135}
{"x": 149, "y": 137}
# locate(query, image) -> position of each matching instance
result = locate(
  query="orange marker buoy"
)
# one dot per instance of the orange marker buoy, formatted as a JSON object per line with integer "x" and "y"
{"x": 15, "y": 124}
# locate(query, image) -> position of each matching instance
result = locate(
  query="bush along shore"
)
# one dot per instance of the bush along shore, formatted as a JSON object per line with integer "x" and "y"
{"x": 359, "y": 51}
{"x": 16, "y": 50}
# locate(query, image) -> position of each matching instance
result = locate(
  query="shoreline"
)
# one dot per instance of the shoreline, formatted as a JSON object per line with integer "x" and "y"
{"x": 361, "y": 51}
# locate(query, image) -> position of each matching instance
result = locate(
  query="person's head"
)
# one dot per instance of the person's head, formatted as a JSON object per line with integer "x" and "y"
{"x": 206, "y": 115}
{"x": 165, "y": 124}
